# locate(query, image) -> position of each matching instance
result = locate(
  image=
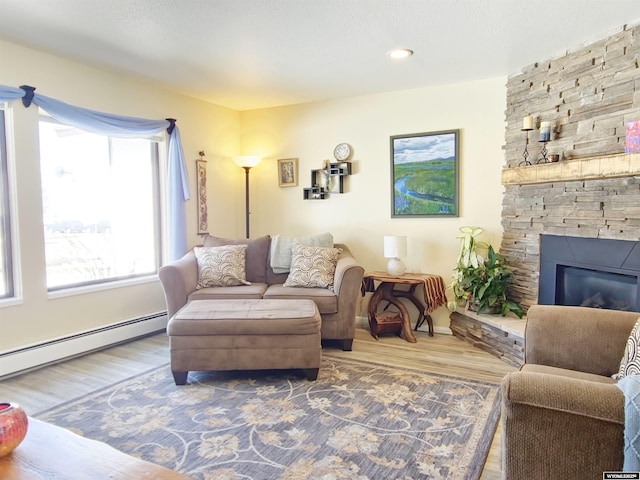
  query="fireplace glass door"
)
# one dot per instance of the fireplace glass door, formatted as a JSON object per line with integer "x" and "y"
{"x": 591, "y": 272}
{"x": 596, "y": 289}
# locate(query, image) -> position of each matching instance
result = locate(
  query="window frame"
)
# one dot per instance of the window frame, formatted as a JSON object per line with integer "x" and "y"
{"x": 155, "y": 143}
{"x": 6, "y": 207}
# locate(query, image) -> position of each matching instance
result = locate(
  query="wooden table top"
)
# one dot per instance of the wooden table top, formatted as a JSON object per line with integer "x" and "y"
{"x": 53, "y": 453}
{"x": 407, "y": 278}
{"x": 434, "y": 288}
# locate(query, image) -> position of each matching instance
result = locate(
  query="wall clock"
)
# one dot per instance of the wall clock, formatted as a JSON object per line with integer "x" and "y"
{"x": 342, "y": 151}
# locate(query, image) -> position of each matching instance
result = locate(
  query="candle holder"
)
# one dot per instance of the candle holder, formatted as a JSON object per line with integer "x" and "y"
{"x": 545, "y": 137}
{"x": 543, "y": 151}
{"x": 525, "y": 153}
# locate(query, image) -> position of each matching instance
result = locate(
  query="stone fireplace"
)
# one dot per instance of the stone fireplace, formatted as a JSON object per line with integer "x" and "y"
{"x": 593, "y": 191}
{"x": 591, "y": 194}
{"x": 594, "y": 199}
{"x": 601, "y": 201}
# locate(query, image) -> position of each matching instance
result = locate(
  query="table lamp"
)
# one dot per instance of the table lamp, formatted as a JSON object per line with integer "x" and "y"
{"x": 395, "y": 247}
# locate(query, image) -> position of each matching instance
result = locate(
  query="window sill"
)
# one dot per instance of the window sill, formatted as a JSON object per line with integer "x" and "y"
{"x": 99, "y": 287}
{"x": 10, "y": 302}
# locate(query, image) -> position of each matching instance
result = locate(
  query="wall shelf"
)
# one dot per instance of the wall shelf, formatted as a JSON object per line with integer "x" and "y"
{"x": 340, "y": 168}
{"x": 315, "y": 193}
{"x": 326, "y": 181}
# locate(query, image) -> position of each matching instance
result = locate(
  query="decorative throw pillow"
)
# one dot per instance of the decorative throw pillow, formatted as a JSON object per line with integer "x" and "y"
{"x": 312, "y": 266}
{"x": 630, "y": 363}
{"x": 255, "y": 258}
{"x": 221, "y": 266}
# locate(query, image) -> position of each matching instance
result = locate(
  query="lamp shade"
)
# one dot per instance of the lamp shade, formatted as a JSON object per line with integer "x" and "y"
{"x": 246, "y": 161}
{"x": 395, "y": 246}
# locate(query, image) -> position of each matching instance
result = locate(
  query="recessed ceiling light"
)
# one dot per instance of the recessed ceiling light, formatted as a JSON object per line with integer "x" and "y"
{"x": 399, "y": 53}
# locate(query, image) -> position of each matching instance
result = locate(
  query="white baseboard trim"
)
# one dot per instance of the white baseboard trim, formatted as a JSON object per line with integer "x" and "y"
{"x": 31, "y": 356}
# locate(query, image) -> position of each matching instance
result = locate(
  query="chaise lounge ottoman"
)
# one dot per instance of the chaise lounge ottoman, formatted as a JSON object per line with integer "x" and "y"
{"x": 245, "y": 334}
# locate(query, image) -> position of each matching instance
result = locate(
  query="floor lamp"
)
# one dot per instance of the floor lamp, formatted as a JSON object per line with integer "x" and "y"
{"x": 247, "y": 162}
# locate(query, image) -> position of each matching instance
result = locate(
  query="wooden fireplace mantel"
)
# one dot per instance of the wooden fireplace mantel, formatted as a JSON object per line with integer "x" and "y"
{"x": 590, "y": 168}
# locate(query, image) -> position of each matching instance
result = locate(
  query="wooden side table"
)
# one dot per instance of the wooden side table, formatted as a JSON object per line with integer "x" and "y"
{"x": 434, "y": 297}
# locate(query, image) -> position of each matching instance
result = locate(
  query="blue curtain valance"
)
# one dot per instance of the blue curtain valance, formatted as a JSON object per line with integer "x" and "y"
{"x": 9, "y": 94}
{"x": 125, "y": 127}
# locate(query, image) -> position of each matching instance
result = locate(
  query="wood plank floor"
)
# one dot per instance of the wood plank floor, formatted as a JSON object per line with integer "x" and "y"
{"x": 49, "y": 386}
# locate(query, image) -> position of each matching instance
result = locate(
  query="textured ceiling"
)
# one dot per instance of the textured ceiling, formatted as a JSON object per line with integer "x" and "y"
{"x": 247, "y": 54}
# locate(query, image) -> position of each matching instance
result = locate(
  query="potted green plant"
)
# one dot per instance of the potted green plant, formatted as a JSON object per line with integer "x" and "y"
{"x": 481, "y": 283}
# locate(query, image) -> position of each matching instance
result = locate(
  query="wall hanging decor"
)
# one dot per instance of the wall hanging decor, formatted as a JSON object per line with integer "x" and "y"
{"x": 424, "y": 174}
{"x": 342, "y": 152}
{"x": 288, "y": 172}
{"x": 327, "y": 180}
{"x": 632, "y": 137}
{"x": 201, "y": 188}
{"x": 331, "y": 177}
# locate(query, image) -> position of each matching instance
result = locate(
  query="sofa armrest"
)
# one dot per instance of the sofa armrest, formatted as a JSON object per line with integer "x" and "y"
{"x": 345, "y": 262}
{"x": 348, "y": 274}
{"x": 560, "y": 427}
{"x": 346, "y": 285}
{"x": 179, "y": 280}
{"x": 577, "y": 338}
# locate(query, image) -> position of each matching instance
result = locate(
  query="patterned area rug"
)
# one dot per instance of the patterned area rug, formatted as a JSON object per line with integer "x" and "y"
{"x": 357, "y": 421}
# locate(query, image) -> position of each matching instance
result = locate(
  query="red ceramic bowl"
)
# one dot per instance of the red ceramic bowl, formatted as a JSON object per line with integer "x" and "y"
{"x": 13, "y": 427}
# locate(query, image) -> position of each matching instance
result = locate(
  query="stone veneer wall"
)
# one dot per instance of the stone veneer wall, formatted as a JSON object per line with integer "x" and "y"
{"x": 589, "y": 94}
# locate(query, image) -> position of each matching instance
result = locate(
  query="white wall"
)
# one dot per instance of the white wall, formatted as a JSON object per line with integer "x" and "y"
{"x": 362, "y": 216}
{"x": 38, "y": 317}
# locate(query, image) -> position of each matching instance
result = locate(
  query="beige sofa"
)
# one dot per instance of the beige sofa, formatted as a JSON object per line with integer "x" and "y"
{"x": 337, "y": 307}
{"x": 562, "y": 414}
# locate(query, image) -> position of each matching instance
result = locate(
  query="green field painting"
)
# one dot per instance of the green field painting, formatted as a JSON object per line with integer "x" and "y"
{"x": 424, "y": 171}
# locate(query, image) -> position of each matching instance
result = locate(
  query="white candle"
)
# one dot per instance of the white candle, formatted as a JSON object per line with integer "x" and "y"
{"x": 527, "y": 123}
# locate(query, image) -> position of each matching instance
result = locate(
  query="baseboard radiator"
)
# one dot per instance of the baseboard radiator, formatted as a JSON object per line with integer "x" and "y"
{"x": 51, "y": 351}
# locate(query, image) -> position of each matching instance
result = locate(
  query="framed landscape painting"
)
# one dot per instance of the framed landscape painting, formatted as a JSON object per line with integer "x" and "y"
{"x": 424, "y": 174}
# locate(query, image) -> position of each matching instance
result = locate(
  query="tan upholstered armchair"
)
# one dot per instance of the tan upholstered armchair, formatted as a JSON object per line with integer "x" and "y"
{"x": 562, "y": 414}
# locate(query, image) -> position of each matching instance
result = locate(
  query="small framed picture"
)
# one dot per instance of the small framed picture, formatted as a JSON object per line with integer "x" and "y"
{"x": 424, "y": 174}
{"x": 288, "y": 172}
